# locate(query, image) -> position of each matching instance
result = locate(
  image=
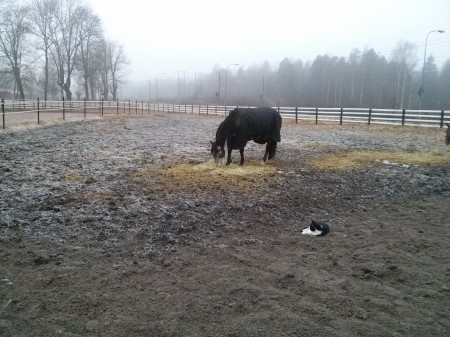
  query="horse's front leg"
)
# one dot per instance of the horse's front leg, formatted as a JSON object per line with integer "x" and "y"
{"x": 241, "y": 151}
{"x": 229, "y": 156}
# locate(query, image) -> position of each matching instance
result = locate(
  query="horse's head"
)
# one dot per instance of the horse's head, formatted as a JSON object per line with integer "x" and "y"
{"x": 447, "y": 134}
{"x": 218, "y": 152}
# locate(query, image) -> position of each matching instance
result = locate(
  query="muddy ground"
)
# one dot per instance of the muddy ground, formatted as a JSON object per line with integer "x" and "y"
{"x": 121, "y": 226}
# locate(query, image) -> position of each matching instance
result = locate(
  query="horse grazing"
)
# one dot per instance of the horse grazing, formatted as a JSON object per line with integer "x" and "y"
{"x": 447, "y": 134}
{"x": 262, "y": 125}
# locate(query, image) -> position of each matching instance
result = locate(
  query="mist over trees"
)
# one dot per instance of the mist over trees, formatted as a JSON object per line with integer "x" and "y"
{"x": 363, "y": 79}
{"x": 56, "y": 48}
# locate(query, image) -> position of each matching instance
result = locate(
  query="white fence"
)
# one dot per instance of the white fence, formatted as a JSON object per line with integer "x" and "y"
{"x": 430, "y": 118}
{"x": 35, "y": 110}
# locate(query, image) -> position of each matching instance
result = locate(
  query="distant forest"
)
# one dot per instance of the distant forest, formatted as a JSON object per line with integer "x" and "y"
{"x": 363, "y": 79}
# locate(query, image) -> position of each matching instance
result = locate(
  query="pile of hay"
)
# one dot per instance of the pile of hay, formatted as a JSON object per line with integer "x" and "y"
{"x": 359, "y": 159}
{"x": 197, "y": 176}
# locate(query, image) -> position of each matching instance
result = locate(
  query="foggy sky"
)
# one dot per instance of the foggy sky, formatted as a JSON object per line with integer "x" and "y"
{"x": 167, "y": 36}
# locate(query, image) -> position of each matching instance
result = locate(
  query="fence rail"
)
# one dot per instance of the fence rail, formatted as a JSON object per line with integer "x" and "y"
{"x": 61, "y": 109}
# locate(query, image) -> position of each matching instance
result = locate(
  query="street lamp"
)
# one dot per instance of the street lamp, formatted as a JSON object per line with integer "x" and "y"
{"x": 218, "y": 92}
{"x": 226, "y": 78}
{"x": 149, "y": 91}
{"x": 156, "y": 86}
{"x": 178, "y": 84}
{"x": 422, "y": 88}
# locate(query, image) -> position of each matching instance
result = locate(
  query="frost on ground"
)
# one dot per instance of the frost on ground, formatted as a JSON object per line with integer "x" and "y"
{"x": 123, "y": 226}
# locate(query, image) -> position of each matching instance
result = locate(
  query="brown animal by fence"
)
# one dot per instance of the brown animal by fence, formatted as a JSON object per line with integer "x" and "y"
{"x": 447, "y": 134}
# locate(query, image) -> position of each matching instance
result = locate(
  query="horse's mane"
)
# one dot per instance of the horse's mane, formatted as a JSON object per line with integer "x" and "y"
{"x": 228, "y": 126}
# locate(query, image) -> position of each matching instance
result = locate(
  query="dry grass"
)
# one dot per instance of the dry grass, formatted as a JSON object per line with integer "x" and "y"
{"x": 197, "y": 176}
{"x": 75, "y": 177}
{"x": 359, "y": 159}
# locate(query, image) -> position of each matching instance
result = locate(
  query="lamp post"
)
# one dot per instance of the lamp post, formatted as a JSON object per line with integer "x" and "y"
{"x": 422, "y": 88}
{"x": 263, "y": 98}
{"x": 218, "y": 92}
{"x": 156, "y": 87}
{"x": 226, "y": 79}
{"x": 179, "y": 85}
{"x": 149, "y": 91}
{"x": 195, "y": 85}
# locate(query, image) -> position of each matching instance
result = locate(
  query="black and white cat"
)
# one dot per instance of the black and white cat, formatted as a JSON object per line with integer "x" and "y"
{"x": 316, "y": 229}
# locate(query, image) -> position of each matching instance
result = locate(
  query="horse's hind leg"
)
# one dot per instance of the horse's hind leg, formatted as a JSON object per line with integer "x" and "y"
{"x": 266, "y": 153}
{"x": 271, "y": 149}
{"x": 241, "y": 151}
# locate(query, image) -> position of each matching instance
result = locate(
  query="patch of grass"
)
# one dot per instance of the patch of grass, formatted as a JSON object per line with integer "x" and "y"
{"x": 359, "y": 159}
{"x": 75, "y": 177}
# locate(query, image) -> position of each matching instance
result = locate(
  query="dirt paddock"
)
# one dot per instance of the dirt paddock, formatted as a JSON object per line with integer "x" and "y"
{"x": 122, "y": 226}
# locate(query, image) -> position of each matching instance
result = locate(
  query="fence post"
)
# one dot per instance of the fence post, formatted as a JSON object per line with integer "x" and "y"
{"x": 442, "y": 119}
{"x": 342, "y": 113}
{"x": 317, "y": 115}
{"x": 102, "y": 105}
{"x": 370, "y": 115}
{"x": 129, "y": 107}
{"x": 3, "y": 112}
{"x": 403, "y": 116}
{"x": 38, "y": 108}
{"x": 64, "y": 110}
{"x": 296, "y": 115}
{"x": 207, "y": 109}
{"x": 84, "y": 108}
{"x": 117, "y": 100}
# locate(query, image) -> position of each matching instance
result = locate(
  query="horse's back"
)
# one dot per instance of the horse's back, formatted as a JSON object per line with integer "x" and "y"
{"x": 262, "y": 123}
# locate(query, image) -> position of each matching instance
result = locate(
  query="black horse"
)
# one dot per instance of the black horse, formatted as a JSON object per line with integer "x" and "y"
{"x": 262, "y": 125}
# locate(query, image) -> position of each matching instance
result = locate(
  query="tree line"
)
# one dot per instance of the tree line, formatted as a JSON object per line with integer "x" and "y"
{"x": 53, "y": 46}
{"x": 56, "y": 48}
{"x": 363, "y": 79}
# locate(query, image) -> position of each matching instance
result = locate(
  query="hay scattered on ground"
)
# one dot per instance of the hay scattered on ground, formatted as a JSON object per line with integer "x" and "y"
{"x": 194, "y": 176}
{"x": 359, "y": 159}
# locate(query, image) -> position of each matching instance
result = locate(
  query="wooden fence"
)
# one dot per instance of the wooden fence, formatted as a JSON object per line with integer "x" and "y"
{"x": 35, "y": 110}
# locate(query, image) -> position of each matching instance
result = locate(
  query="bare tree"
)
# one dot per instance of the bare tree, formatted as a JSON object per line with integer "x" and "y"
{"x": 90, "y": 34}
{"x": 13, "y": 34}
{"x": 102, "y": 68}
{"x": 117, "y": 62}
{"x": 66, "y": 41}
{"x": 111, "y": 67}
{"x": 405, "y": 61}
{"x": 42, "y": 16}
{"x": 6, "y": 4}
